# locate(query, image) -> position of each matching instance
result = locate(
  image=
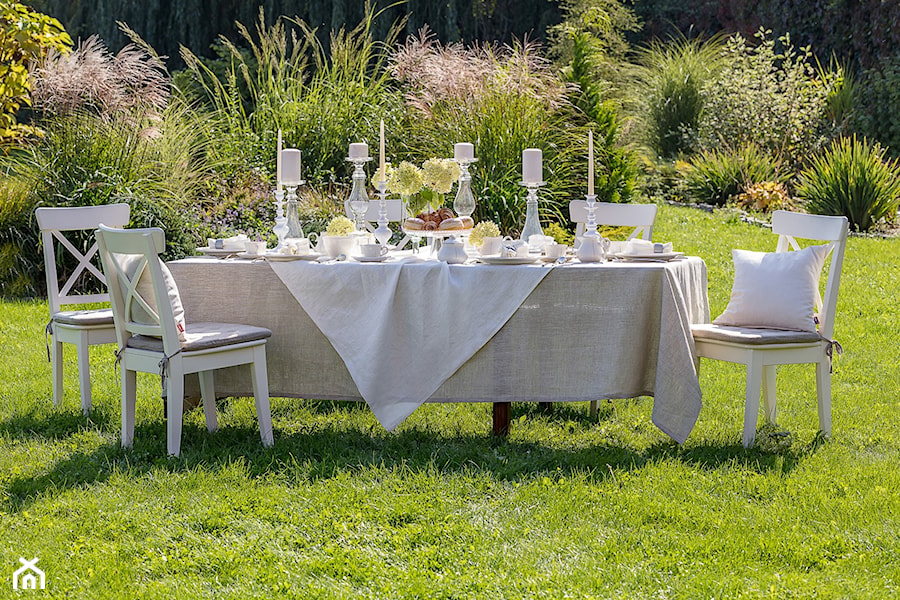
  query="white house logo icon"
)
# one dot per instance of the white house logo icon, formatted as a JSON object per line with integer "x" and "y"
{"x": 28, "y": 576}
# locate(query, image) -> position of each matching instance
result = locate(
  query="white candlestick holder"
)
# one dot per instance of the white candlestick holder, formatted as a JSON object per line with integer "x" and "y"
{"x": 292, "y": 217}
{"x": 590, "y": 227}
{"x": 464, "y": 204}
{"x": 280, "y": 229}
{"x": 359, "y": 200}
{"x": 532, "y": 222}
{"x": 383, "y": 232}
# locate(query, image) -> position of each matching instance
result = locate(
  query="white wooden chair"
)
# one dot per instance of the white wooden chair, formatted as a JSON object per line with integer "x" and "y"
{"x": 761, "y": 350}
{"x": 640, "y": 216}
{"x": 152, "y": 345}
{"x": 83, "y": 328}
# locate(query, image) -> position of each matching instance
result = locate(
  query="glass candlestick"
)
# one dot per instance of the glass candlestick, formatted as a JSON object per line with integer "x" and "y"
{"x": 590, "y": 227}
{"x": 383, "y": 232}
{"x": 359, "y": 200}
{"x": 294, "y": 231}
{"x": 532, "y": 222}
{"x": 280, "y": 228}
{"x": 464, "y": 204}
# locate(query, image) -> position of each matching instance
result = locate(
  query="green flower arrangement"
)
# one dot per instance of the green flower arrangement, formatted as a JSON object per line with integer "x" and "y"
{"x": 340, "y": 226}
{"x": 406, "y": 179}
{"x": 485, "y": 229}
{"x": 439, "y": 174}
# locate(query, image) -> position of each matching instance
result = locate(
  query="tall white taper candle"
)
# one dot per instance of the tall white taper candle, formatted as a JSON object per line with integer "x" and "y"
{"x": 591, "y": 162}
{"x": 381, "y": 153}
{"x": 278, "y": 162}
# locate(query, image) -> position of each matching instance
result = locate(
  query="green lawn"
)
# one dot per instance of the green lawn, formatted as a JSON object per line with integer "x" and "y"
{"x": 566, "y": 506}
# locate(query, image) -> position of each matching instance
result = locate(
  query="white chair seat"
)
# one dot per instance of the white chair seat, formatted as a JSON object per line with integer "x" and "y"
{"x": 753, "y": 335}
{"x": 84, "y": 318}
{"x": 203, "y": 336}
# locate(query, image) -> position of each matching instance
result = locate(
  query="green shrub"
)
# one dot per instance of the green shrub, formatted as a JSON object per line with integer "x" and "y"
{"x": 768, "y": 95}
{"x": 673, "y": 76}
{"x": 715, "y": 177}
{"x": 852, "y": 178}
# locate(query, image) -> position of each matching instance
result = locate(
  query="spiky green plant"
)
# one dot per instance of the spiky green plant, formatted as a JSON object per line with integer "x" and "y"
{"x": 717, "y": 176}
{"x": 854, "y": 179}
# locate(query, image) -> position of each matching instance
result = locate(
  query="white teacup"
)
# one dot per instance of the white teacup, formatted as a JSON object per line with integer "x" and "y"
{"x": 491, "y": 245}
{"x": 255, "y": 248}
{"x": 554, "y": 250}
{"x": 372, "y": 250}
{"x": 336, "y": 245}
{"x": 537, "y": 241}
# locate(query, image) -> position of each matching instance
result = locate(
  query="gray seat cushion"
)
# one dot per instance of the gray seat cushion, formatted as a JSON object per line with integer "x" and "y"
{"x": 203, "y": 336}
{"x": 84, "y": 318}
{"x": 753, "y": 335}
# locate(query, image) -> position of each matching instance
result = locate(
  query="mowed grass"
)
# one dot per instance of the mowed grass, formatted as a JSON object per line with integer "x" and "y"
{"x": 566, "y": 506}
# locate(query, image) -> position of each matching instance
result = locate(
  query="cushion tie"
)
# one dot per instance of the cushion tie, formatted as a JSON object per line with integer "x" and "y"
{"x": 164, "y": 369}
{"x": 832, "y": 347}
{"x": 48, "y": 331}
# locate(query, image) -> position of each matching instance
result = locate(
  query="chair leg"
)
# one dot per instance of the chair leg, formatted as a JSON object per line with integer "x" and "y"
{"x": 208, "y": 393}
{"x": 769, "y": 394}
{"x": 823, "y": 396}
{"x": 175, "y": 404}
{"x": 56, "y": 367}
{"x": 593, "y": 409}
{"x": 83, "y": 348}
{"x": 129, "y": 395}
{"x": 260, "y": 381}
{"x": 751, "y": 404}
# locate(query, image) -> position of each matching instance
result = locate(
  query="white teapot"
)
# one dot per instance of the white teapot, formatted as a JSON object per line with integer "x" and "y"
{"x": 452, "y": 251}
{"x": 592, "y": 248}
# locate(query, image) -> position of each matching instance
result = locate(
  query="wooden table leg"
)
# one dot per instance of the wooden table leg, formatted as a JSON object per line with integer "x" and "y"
{"x": 501, "y": 418}
{"x": 546, "y": 407}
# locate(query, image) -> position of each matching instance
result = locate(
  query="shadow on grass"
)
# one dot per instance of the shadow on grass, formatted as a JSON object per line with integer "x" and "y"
{"x": 322, "y": 450}
{"x": 54, "y": 424}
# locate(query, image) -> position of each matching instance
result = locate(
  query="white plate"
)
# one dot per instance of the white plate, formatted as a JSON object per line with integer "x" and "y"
{"x": 650, "y": 256}
{"x": 278, "y": 257}
{"x": 371, "y": 258}
{"x": 507, "y": 260}
{"x": 219, "y": 252}
{"x": 548, "y": 259}
{"x": 435, "y": 233}
{"x": 248, "y": 256}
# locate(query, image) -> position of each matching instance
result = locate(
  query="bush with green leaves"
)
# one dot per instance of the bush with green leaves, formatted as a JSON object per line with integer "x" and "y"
{"x": 670, "y": 94}
{"x": 769, "y": 95}
{"x": 854, "y": 179}
{"x": 879, "y": 94}
{"x": 717, "y": 176}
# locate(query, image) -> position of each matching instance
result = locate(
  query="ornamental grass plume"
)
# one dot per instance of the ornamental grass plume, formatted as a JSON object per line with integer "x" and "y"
{"x": 91, "y": 77}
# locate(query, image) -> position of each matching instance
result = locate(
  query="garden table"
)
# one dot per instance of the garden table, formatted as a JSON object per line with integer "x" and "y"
{"x": 581, "y": 333}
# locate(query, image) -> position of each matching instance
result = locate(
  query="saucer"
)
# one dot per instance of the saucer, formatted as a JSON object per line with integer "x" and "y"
{"x": 219, "y": 252}
{"x": 248, "y": 256}
{"x": 507, "y": 260}
{"x": 371, "y": 258}
{"x": 649, "y": 256}
{"x": 278, "y": 257}
{"x": 548, "y": 259}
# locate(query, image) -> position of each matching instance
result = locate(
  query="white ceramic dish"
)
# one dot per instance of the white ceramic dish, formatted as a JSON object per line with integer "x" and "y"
{"x": 219, "y": 252}
{"x": 649, "y": 256}
{"x": 435, "y": 233}
{"x": 507, "y": 260}
{"x": 549, "y": 259}
{"x": 370, "y": 258}
{"x": 278, "y": 257}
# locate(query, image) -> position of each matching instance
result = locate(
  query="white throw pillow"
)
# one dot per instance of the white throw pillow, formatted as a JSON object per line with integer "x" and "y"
{"x": 145, "y": 289}
{"x": 775, "y": 290}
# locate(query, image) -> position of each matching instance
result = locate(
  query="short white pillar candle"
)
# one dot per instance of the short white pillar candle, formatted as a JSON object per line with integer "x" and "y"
{"x": 290, "y": 166}
{"x": 464, "y": 151}
{"x": 359, "y": 150}
{"x": 532, "y": 167}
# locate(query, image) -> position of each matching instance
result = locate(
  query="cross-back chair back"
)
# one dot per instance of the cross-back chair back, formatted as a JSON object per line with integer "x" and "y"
{"x": 83, "y": 328}
{"x": 640, "y": 216}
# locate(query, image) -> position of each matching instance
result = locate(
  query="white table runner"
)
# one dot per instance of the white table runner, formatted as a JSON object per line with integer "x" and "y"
{"x": 403, "y": 329}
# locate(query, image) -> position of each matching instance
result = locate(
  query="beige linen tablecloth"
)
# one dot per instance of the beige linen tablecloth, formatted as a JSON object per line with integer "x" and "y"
{"x": 585, "y": 332}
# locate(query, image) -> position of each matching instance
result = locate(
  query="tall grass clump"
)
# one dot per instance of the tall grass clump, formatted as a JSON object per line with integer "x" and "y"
{"x": 282, "y": 77}
{"x": 502, "y": 100}
{"x": 854, "y": 179}
{"x": 717, "y": 176}
{"x": 672, "y": 78}
{"x": 111, "y": 134}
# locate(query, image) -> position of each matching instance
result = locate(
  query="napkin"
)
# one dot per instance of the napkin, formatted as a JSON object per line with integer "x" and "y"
{"x": 235, "y": 242}
{"x": 644, "y": 247}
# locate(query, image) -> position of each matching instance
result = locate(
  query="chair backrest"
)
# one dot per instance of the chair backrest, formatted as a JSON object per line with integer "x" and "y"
{"x": 126, "y": 255}
{"x": 396, "y": 212}
{"x": 789, "y": 226}
{"x": 640, "y": 216}
{"x": 53, "y": 221}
